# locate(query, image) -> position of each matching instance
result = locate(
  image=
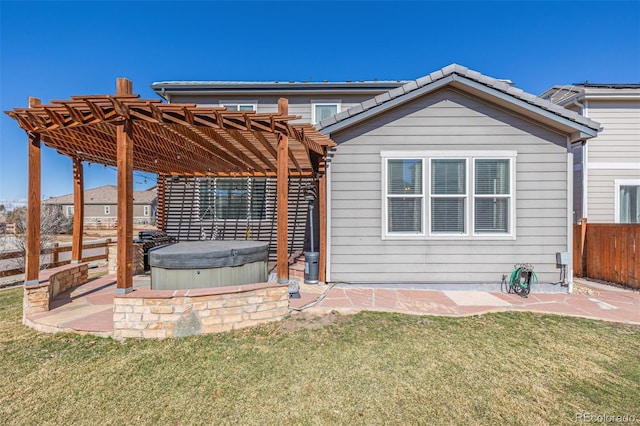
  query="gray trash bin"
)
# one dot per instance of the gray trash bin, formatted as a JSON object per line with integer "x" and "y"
{"x": 311, "y": 267}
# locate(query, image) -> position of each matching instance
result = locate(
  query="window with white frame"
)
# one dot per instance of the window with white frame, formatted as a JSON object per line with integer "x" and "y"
{"x": 69, "y": 211}
{"x": 321, "y": 110}
{"x": 237, "y": 106}
{"x": 404, "y": 196}
{"x": 233, "y": 198}
{"x": 145, "y": 211}
{"x": 107, "y": 210}
{"x": 456, "y": 194}
{"x": 627, "y": 199}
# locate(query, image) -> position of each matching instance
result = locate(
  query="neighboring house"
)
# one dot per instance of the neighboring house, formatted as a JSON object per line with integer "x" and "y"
{"x": 448, "y": 179}
{"x": 101, "y": 205}
{"x": 606, "y": 168}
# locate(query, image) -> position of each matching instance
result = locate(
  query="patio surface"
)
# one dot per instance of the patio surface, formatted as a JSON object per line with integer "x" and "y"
{"x": 89, "y": 308}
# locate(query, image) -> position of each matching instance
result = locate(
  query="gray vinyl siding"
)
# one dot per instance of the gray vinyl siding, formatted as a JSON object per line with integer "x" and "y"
{"x": 445, "y": 120}
{"x": 619, "y": 143}
{"x": 298, "y": 104}
{"x": 602, "y": 193}
{"x": 619, "y": 140}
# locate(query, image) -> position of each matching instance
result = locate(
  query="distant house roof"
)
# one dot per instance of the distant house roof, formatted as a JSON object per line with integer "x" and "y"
{"x": 565, "y": 94}
{"x": 499, "y": 91}
{"x": 167, "y": 88}
{"x": 107, "y": 194}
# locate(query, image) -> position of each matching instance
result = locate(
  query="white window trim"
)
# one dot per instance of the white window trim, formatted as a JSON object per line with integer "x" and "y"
{"x": 386, "y": 235}
{"x": 617, "y": 183}
{"x": 145, "y": 211}
{"x": 253, "y": 104}
{"x": 323, "y": 102}
{"x": 107, "y": 210}
{"x": 471, "y": 156}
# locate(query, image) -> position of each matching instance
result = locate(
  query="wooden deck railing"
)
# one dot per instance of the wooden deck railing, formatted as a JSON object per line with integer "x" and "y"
{"x": 55, "y": 252}
{"x": 608, "y": 252}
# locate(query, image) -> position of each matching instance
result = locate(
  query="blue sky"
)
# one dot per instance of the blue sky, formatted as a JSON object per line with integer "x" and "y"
{"x": 52, "y": 50}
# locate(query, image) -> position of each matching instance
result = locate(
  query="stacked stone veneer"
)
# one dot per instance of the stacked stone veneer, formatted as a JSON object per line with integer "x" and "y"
{"x": 38, "y": 297}
{"x": 177, "y": 313}
{"x": 138, "y": 258}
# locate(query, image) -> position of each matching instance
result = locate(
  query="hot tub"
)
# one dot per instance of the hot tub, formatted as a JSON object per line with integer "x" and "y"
{"x": 201, "y": 264}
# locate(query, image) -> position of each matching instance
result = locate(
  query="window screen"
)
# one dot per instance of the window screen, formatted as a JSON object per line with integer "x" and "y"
{"x": 404, "y": 196}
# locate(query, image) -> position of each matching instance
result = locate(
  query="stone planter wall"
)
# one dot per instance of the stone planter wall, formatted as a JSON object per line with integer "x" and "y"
{"x": 37, "y": 297}
{"x": 177, "y": 313}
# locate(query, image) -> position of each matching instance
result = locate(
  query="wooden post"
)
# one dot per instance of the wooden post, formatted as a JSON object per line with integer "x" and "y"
{"x": 322, "y": 247}
{"x": 283, "y": 200}
{"x": 78, "y": 211}
{"x": 160, "y": 196}
{"x": 124, "y": 137}
{"x": 32, "y": 255}
{"x": 583, "y": 237}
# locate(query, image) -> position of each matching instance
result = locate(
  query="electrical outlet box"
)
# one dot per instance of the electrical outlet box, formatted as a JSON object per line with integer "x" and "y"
{"x": 562, "y": 258}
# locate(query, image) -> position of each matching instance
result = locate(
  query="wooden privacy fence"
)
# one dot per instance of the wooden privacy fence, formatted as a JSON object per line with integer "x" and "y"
{"x": 55, "y": 252}
{"x": 608, "y": 252}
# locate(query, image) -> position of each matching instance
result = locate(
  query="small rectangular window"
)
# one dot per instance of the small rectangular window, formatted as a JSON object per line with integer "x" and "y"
{"x": 70, "y": 211}
{"x": 107, "y": 210}
{"x": 239, "y": 106}
{"x": 146, "y": 211}
{"x": 323, "y": 110}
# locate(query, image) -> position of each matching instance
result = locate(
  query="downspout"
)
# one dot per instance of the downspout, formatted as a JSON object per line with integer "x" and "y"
{"x": 585, "y": 147}
{"x": 569, "y": 272}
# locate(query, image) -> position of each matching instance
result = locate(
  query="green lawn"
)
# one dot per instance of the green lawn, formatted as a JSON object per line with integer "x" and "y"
{"x": 370, "y": 368}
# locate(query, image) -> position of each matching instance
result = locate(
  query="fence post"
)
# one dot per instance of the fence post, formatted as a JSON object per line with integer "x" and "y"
{"x": 55, "y": 255}
{"x": 583, "y": 254}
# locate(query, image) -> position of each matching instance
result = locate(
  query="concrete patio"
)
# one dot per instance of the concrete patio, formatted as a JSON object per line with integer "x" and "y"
{"x": 89, "y": 308}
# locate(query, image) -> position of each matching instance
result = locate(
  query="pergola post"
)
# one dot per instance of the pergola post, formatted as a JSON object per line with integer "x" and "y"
{"x": 322, "y": 207}
{"x": 32, "y": 252}
{"x": 283, "y": 199}
{"x": 124, "y": 142}
{"x": 78, "y": 211}
{"x": 161, "y": 187}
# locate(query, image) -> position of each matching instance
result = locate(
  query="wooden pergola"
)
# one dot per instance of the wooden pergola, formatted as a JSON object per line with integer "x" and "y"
{"x": 147, "y": 135}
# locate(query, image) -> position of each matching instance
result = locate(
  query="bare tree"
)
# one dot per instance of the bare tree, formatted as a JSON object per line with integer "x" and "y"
{"x": 52, "y": 223}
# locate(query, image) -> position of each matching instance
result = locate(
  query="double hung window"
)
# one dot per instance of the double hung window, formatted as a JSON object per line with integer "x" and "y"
{"x": 449, "y": 194}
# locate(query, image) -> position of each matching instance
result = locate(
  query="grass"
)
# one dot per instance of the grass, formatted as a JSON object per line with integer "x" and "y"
{"x": 370, "y": 368}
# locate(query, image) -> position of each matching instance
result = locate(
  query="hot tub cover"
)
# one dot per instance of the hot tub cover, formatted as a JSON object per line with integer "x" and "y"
{"x": 208, "y": 254}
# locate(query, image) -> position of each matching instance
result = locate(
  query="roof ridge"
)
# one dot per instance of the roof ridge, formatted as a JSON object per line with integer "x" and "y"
{"x": 464, "y": 72}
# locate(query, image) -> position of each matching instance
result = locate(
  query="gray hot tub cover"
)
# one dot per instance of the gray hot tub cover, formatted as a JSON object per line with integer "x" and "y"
{"x": 208, "y": 254}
